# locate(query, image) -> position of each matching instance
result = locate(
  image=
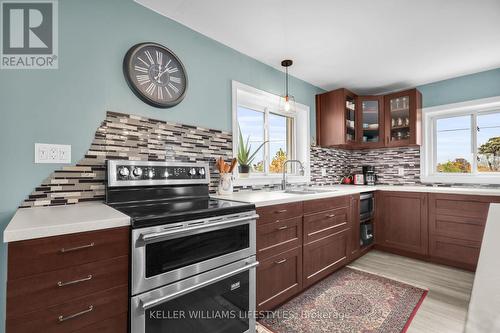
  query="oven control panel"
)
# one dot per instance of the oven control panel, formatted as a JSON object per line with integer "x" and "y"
{"x": 122, "y": 173}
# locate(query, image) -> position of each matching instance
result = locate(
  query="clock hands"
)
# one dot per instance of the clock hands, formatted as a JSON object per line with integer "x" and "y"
{"x": 160, "y": 74}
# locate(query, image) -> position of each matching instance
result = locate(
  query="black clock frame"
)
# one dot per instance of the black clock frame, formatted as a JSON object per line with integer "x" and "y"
{"x": 128, "y": 69}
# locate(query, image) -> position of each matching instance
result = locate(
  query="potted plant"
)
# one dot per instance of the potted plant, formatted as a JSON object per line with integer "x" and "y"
{"x": 244, "y": 158}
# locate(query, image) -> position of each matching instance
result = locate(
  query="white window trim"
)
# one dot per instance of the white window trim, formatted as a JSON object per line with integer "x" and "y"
{"x": 261, "y": 100}
{"x": 427, "y": 156}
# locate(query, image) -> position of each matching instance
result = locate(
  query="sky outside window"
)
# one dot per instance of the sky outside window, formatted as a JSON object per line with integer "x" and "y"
{"x": 252, "y": 126}
{"x": 453, "y": 143}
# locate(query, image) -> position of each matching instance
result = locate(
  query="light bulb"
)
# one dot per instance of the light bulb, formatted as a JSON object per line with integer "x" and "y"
{"x": 287, "y": 106}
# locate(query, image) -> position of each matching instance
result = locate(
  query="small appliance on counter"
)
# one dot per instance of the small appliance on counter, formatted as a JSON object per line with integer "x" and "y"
{"x": 369, "y": 175}
{"x": 359, "y": 179}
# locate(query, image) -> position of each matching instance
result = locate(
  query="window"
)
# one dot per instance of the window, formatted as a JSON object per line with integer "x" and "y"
{"x": 462, "y": 143}
{"x": 273, "y": 135}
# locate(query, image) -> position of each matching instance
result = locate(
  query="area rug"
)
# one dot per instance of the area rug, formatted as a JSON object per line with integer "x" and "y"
{"x": 349, "y": 301}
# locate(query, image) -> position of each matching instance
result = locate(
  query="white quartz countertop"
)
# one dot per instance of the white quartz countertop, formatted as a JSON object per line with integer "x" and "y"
{"x": 267, "y": 198}
{"x": 38, "y": 222}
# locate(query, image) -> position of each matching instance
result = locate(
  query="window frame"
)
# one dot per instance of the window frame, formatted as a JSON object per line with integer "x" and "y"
{"x": 429, "y": 152}
{"x": 262, "y": 101}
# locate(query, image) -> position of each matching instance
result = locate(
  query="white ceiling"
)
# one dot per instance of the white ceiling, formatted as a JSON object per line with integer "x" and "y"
{"x": 369, "y": 46}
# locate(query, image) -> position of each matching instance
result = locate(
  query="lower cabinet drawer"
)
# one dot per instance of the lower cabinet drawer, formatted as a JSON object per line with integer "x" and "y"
{"x": 74, "y": 315}
{"x": 117, "y": 324}
{"x": 279, "y": 278}
{"x": 56, "y": 287}
{"x": 455, "y": 252}
{"x": 277, "y": 237}
{"x": 322, "y": 224}
{"x": 324, "y": 256}
{"x": 313, "y": 206}
{"x": 52, "y": 253}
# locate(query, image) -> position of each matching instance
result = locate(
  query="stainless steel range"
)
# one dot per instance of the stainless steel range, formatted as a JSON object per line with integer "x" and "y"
{"x": 193, "y": 257}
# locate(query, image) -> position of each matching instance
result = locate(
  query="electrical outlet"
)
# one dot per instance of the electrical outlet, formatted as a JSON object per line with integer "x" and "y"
{"x": 323, "y": 172}
{"x": 49, "y": 153}
{"x": 401, "y": 171}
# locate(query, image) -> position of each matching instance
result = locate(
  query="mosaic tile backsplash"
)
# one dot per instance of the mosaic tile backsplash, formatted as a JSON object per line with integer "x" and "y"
{"x": 130, "y": 137}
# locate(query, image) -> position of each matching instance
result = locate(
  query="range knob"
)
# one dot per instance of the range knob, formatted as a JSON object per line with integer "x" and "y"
{"x": 137, "y": 172}
{"x": 192, "y": 171}
{"x": 151, "y": 173}
{"x": 202, "y": 171}
{"x": 123, "y": 171}
{"x": 166, "y": 174}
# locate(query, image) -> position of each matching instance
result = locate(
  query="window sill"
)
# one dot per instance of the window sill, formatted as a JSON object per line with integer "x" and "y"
{"x": 270, "y": 180}
{"x": 462, "y": 179}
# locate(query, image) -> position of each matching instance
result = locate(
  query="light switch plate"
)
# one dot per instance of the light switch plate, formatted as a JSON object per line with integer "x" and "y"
{"x": 401, "y": 171}
{"x": 323, "y": 172}
{"x": 50, "y": 153}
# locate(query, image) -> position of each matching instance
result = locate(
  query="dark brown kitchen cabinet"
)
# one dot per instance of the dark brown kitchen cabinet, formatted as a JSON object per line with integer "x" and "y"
{"x": 371, "y": 121}
{"x": 456, "y": 226}
{"x": 279, "y": 278}
{"x": 327, "y": 237}
{"x": 402, "y": 225}
{"x": 300, "y": 243}
{"x": 324, "y": 256}
{"x": 336, "y": 118}
{"x": 403, "y": 118}
{"x": 70, "y": 283}
{"x": 348, "y": 121}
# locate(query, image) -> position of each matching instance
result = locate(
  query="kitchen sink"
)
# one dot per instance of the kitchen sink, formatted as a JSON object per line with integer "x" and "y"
{"x": 307, "y": 191}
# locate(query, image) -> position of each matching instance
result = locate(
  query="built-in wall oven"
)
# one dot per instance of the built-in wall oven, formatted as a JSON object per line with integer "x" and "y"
{"x": 366, "y": 206}
{"x": 366, "y": 215}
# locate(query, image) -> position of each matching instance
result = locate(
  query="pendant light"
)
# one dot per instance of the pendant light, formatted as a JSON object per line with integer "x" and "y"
{"x": 287, "y": 102}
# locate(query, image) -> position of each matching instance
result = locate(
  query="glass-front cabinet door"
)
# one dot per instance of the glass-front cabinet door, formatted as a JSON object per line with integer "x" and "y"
{"x": 403, "y": 112}
{"x": 350, "y": 119}
{"x": 371, "y": 121}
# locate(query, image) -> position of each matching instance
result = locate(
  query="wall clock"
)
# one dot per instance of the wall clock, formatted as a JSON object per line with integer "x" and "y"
{"x": 155, "y": 74}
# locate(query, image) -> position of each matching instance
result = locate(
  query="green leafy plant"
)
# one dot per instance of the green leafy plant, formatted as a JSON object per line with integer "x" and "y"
{"x": 491, "y": 155}
{"x": 244, "y": 148}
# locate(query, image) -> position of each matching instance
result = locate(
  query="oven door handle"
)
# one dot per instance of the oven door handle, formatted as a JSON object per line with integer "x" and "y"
{"x": 166, "y": 298}
{"x": 156, "y": 235}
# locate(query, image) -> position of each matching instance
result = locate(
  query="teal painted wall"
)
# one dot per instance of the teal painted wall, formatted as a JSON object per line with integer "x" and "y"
{"x": 67, "y": 105}
{"x": 463, "y": 88}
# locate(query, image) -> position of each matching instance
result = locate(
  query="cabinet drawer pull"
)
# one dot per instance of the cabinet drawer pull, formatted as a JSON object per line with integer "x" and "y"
{"x": 63, "y": 250}
{"x": 62, "y": 318}
{"x": 331, "y": 215}
{"x": 281, "y": 211}
{"x": 280, "y": 261}
{"x": 62, "y": 284}
{"x": 282, "y": 227}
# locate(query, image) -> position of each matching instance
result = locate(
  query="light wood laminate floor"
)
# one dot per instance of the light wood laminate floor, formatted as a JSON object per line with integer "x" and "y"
{"x": 445, "y": 308}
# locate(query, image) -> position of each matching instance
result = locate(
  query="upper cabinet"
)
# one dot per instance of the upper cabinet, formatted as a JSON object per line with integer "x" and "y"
{"x": 403, "y": 118}
{"x": 346, "y": 120}
{"x": 336, "y": 119}
{"x": 371, "y": 121}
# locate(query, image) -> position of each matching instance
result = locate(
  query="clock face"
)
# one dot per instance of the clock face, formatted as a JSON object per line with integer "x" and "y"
{"x": 155, "y": 74}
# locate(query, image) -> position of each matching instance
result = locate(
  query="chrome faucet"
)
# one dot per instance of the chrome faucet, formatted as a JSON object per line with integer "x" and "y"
{"x": 301, "y": 172}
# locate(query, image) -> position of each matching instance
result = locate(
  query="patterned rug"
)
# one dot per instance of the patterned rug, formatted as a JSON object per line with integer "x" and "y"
{"x": 349, "y": 301}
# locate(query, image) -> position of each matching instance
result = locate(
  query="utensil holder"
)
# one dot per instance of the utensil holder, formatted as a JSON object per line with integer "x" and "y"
{"x": 225, "y": 184}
